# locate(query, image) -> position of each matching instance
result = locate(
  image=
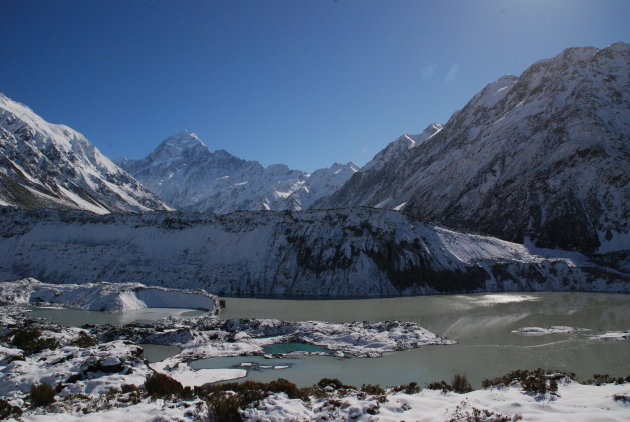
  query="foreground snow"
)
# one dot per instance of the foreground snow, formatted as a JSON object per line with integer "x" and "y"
{"x": 574, "y": 402}
{"x": 190, "y": 377}
{"x": 147, "y": 410}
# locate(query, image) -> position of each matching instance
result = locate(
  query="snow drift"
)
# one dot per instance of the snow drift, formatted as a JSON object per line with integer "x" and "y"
{"x": 105, "y": 296}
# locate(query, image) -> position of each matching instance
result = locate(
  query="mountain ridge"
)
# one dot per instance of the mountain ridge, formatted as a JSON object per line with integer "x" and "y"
{"x": 359, "y": 252}
{"x": 52, "y": 165}
{"x": 525, "y": 158}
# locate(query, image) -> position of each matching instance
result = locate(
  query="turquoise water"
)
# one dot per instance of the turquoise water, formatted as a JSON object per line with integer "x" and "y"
{"x": 159, "y": 352}
{"x": 293, "y": 347}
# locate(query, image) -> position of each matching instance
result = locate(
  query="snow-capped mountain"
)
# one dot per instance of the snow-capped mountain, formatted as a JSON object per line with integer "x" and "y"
{"x": 351, "y": 252}
{"x": 186, "y": 174}
{"x": 397, "y": 150}
{"x": 544, "y": 156}
{"x": 51, "y": 165}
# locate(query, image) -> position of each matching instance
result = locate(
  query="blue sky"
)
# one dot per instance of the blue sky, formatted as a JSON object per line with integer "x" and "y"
{"x": 302, "y": 82}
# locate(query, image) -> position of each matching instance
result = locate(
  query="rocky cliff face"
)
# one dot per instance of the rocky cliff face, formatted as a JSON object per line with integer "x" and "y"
{"x": 49, "y": 165}
{"x": 190, "y": 177}
{"x": 360, "y": 252}
{"x": 544, "y": 156}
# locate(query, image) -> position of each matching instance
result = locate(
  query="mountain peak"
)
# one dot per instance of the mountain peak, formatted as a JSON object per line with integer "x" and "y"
{"x": 542, "y": 156}
{"x": 184, "y": 139}
{"x": 52, "y": 165}
{"x": 178, "y": 146}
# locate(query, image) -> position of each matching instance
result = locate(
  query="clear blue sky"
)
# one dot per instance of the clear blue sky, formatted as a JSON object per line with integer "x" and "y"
{"x": 303, "y": 82}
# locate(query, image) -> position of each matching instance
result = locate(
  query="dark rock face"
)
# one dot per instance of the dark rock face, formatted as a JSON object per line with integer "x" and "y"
{"x": 544, "y": 156}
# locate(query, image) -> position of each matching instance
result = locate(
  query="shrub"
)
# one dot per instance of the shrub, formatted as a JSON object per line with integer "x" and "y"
{"x": 622, "y": 380}
{"x": 84, "y": 341}
{"x": 161, "y": 385}
{"x": 29, "y": 340}
{"x": 112, "y": 392}
{"x": 534, "y": 382}
{"x": 440, "y": 385}
{"x": 282, "y": 385}
{"x": 223, "y": 407}
{"x": 374, "y": 409}
{"x": 332, "y": 382}
{"x": 478, "y": 415}
{"x": 599, "y": 379}
{"x": 42, "y": 395}
{"x": 460, "y": 384}
{"x": 128, "y": 388}
{"x": 411, "y": 388}
{"x": 373, "y": 390}
{"x": 225, "y": 400}
{"x": 7, "y": 410}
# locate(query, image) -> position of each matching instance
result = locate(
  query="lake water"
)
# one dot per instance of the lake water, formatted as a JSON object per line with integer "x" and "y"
{"x": 481, "y": 324}
{"x": 159, "y": 352}
{"x": 77, "y": 318}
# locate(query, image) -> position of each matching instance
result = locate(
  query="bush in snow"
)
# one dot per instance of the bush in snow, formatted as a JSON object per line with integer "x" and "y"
{"x": 29, "y": 340}
{"x": 7, "y": 410}
{"x": 460, "y": 384}
{"x": 411, "y": 388}
{"x": 373, "y": 390}
{"x": 439, "y": 385}
{"x": 161, "y": 385}
{"x": 225, "y": 400}
{"x": 332, "y": 383}
{"x": 538, "y": 381}
{"x": 84, "y": 340}
{"x": 42, "y": 395}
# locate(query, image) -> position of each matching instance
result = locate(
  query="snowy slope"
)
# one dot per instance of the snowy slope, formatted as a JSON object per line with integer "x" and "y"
{"x": 544, "y": 156}
{"x": 49, "y": 165}
{"x": 121, "y": 297}
{"x": 353, "y": 252}
{"x": 185, "y": 173}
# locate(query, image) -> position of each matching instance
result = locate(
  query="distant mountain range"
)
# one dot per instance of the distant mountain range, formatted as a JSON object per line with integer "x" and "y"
{"x": 186, "y": 174}
{"x": 540, "y": 159}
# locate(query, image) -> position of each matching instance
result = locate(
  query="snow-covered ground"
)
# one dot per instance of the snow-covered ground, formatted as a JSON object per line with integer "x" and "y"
{"x": 574, "y": 402}
{"x": 105, "y": 296}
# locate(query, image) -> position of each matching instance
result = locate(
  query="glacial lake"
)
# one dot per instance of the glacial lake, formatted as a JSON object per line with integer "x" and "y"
{"x": 77, "y": 318}
{"x": 482, "y": 324}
